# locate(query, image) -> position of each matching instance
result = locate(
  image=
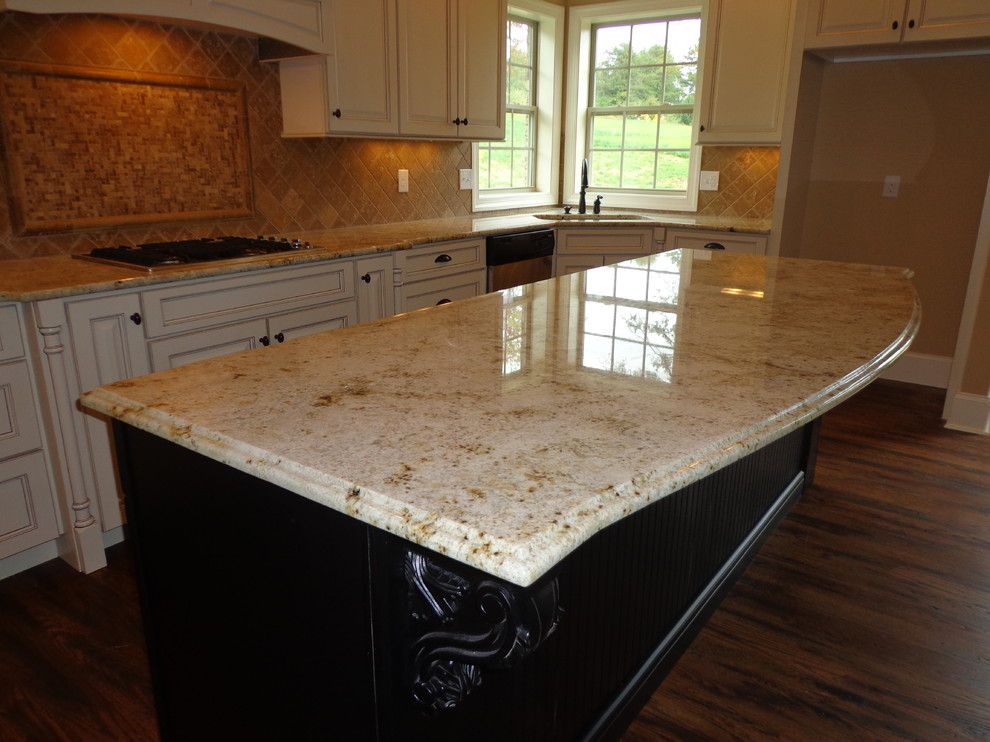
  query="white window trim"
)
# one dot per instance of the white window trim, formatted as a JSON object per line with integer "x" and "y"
{"x": 580, "y": 20}
{"x": 549, "y": 87}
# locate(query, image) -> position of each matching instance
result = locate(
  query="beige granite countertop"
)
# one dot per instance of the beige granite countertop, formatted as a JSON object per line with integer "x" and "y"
{"x": 507, "y": 429}
{"x": 51, "y": 277}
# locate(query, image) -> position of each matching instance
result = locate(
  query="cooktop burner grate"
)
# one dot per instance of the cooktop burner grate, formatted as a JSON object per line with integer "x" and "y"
{"x": 154, "y": 255}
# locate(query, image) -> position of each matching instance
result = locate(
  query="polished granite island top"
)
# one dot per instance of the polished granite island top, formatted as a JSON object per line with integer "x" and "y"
{"x": 506, "y": 430}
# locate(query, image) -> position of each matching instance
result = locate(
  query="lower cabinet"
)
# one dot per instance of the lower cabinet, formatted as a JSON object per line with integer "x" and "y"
{"x": 735, "y": 242}
{"x": 566, "y": 264}
{"x": 442, "y": 290}
{"x": 374, "y": 288}
{"x": 439, "y": 273}
{"x": 579, "y": 249}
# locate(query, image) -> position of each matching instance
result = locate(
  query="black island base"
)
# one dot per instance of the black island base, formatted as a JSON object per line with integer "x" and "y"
{"x": 270, "y": 616}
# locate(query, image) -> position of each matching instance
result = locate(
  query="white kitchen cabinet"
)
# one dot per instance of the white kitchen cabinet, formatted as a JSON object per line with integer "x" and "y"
{"x": 439, "y": 273}
{"x": 838, "y": 23}
{"x": 748, "y": 46}
{"x": 581, "y": 248}
{"x": 353, "y": 90}
{"x": 298, "y": 22}
{"x": 27, "y": 507}
{"x": 191, "y": 347}
{"x": 374, "y": 287}
{"x": 303, "y": 322}
{"x": 567, "y": 264}
{"x": 108, "y": 345}
{"x": 452, "y": 68}
{"x": 734, "y": 242}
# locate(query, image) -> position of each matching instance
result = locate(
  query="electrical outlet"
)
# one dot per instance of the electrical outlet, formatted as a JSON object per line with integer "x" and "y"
{"x": 708, "y": 181}
{"x": 891, "y": 186}
{"x": 467, "y": 179}
{"x": 403, "y": 181}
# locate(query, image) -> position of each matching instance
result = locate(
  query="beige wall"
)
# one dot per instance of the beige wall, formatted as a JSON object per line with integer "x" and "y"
{"x": 927, "y": 121}
{"x": 976, "y": 377}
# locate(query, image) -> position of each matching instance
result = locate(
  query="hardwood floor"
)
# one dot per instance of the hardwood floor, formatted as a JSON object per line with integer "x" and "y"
{"x": 865, "y": 616}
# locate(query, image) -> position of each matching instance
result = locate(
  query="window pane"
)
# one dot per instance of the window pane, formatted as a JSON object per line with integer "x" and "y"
{"x": 664, "y": 288}
{"x": 598, "y": 317}
{"x": 682, "y": 41}
{"x": 520, "y": 168}
{"x": 666, "y": 261}
{"x": 648, "y": 41}
{"x": 672, "y": 171}
{"x": 520, "y": 89}
{"x": 641, "y": 131}
{"x": 630, "y": 323}
{"x": 680, "y": 83}
{"x": 597, "y": 352}
{"x": 637, "y": 170}
{"x": 501, "y": 168}
{"x": 675, "y": 130}
{"x": 612, "y": 46}
{"x": 610, "y": 87}
{"x": 520, "y": 43}
{"x": 659, "y": 363}
{"x": 630, "y": 283}
{"x": 628, "y": 358}
{"x": 645, "y": 86}
{"x": 606, "y": 132}
{"x": 483, "y": 167}
{"x": 521, "y": 129}
{"x": 601, "y": 281}
{"x": 605, "y": 168}
{"x": 661, "y": 328}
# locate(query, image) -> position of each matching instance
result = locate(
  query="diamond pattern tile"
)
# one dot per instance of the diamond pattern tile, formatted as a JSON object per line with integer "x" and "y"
{"x": 747, "y": 181}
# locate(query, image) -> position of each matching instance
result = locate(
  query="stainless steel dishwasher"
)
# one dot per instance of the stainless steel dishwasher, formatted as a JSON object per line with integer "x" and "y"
{"x": 516, "y": 259}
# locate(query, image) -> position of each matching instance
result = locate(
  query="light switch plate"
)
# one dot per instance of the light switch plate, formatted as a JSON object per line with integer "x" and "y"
{"x": 403, "y": 181}
{"x": 708, "y": 181}
{"x": 467, "y": 179}
{"x": 891, "y": 186}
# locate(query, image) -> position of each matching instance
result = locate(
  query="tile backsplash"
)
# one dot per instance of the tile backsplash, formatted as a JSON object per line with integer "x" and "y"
{"x": 298, "y": 183}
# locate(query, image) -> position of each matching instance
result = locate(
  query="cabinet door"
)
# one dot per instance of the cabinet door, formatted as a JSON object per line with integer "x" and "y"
{"x": 437, "y": 291}
{"x": 481, "y": 68}
{"x": 27, "y": 508}
{"x": 854, "y": 22}
{"x": 304, "y": 322}
{"x": 427, "y": 36}
{"x": 361, "y": 69}
{"x": 19, "y": 431}
{"x": 375, "y": 294}
{"x": 748, "y": 43}
{"x": 947, "y": 19}
{"x": 108, "y": 346}
{"x": 198, "y": 346}
{"x": 567, "y": 264}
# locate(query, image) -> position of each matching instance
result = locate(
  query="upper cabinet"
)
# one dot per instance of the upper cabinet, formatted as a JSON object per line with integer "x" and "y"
{"x": 353, "y": 90}
{"x": 837, "y": 23}
{"x": 298, "y": 22}
{"x": 748, "y": 47}
{"x": 412, "y": 68}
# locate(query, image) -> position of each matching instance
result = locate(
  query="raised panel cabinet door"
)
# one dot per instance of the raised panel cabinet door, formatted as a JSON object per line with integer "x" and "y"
{"x": 930, "y": 20}
{"x": 375, "y": 290}
{"x": 748, "y": 43}
{"x": 361, "y": 69}
{"x": 567, "y": 264}
{"x": 19, "y": 431}
{"x": 481, "y": 68}
{"x": 108, "y": 345}
{"x": 427, "y": 35}
{"x": 833, "y": 23}
{"x": 27, "y": 508}
{"x": 310, "y": 321}
{"x": 198, "y": 346}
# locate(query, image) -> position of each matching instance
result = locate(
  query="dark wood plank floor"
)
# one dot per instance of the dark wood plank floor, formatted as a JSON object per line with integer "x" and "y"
{"x": 865, "y": 616}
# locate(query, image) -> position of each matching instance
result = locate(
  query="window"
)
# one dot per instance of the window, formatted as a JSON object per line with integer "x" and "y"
{"x": 522, "y": 170}
{"x": 642, "y": 108}
{"x": 510, "y": 164}
{"x": 635, "y": 72}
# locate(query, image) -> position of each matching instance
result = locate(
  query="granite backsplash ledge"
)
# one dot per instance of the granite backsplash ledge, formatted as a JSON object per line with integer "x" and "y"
{"x": 297, "y": 184}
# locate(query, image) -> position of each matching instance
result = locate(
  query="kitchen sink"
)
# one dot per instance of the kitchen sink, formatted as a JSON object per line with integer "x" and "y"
{"x": 556, "y": 216}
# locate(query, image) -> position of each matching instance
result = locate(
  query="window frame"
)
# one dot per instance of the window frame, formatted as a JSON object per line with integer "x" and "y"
{"x": 582, "y": 20}
{"x": 548, "y": 93}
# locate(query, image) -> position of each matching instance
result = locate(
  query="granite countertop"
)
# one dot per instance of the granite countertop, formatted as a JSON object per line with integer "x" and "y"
{"x": 35, "y": 279}
{"x": 507, "y": 429}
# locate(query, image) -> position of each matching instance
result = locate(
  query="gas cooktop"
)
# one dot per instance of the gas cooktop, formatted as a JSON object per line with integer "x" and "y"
{"x": 155, "y": 256}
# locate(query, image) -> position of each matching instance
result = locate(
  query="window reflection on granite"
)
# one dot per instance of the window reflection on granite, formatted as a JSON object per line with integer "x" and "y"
{"x": 515, "y": 319}
{"x": 630, "y": 316}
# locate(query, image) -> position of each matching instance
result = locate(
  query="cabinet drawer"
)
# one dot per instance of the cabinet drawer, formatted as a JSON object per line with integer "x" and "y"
{"x": 311, "y": 321}
{"x": 752, "y": 244}
{"x": 605, "y": 240}
{"x": 18, "y": 423}
{"x": 436, "y": 291}
{"x": 198, "y": 346}
{"x": 187, "y": 306}
{"x": 10, "y": 334}
{"x": 27, "y": 509}
{"x": 442, "y": 258}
